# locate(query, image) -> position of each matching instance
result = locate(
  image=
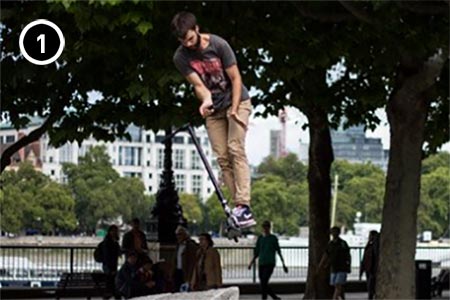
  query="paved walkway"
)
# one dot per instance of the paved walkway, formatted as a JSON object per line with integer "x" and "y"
{"x": 360, "y": 296}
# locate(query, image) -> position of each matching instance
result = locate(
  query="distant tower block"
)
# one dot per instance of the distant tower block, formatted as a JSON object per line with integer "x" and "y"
{"x": 282, "y": 116}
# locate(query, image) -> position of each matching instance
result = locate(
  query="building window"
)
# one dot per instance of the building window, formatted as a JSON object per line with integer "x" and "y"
{"x": 179, "y": 158}
{"x": 132, "y": 174}
{"x": 148, "y": 163}
{"x": 190, "y": 141}
{"x": 178, "y": 140}
{"x": 205, "y": 141}
{"x": 148, "y": 138}
{"x": 1, "y": 139}
{"x": 160, "y": 158}
{"x": 150, "y": 175}
{"x": 50, "y": 159}
{"x": 10, "y": 139}
{"x": 180, "y": 182}
{"x": 197, "y": 184}
{"x": 150, "y": 188}
{"x": 195, "y": 160}
{"x": 159, "y": 138}
{"x": 130, "y": 156}
{"x": 52, "y": 172}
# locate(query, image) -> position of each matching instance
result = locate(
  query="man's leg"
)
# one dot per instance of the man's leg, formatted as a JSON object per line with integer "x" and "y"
{"x": 236, "y": 150}
{"x": 337, "y": 291}
{"x": 264, "y": 280}
{"x": 268, "y": 288}
{"x": 217, "y": 128}
{"x": 371, "y": 285}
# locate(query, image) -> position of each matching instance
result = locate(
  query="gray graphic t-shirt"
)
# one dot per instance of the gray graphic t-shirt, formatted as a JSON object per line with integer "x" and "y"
{"x": 210, "y": 65}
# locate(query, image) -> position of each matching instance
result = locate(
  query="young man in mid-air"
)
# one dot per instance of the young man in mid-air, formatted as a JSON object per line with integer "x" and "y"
{"x": 209, "y": 64}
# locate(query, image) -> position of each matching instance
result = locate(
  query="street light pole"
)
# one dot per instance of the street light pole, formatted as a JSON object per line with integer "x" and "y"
{"x": 333, "y": 212}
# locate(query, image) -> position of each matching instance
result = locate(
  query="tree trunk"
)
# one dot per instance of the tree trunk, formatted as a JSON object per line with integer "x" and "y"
{"x": 407, "y": 113}
{"x": 319, "y": 182}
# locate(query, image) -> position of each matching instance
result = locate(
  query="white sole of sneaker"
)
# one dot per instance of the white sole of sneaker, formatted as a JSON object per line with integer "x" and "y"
{"x": 247, "y": 224}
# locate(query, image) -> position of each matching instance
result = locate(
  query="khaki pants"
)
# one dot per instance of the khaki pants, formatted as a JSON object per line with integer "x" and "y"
{"x": 227, "y": 138}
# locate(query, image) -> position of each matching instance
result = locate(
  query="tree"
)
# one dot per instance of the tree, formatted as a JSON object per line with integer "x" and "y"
{"x": 433, "y": 213}
{"x": 192, "y": 209}
{"x": 433, "y": 162}
{"x": 137, "y": 84}
{"x": 56, "y": 208}
{"x": 30, "y": 199}
{"x": 92, "y": 184}
{"x": 131, "y": 193}
{"x": 101, "y": 195}
{"x": 274, "y": 200}
{"x": 385, "y": 63}
{"x": 360, "y": 188}
{"x": 289, "y": 168}
{"x": 12, "y": 218}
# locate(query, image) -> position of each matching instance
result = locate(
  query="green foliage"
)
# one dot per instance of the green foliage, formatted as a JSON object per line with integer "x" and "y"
{"x": 284, "y": 205}
{"x": 135, "y": 204}
{"x": 360, "y": 188}
{"x": 434, "y": 213}
{"x": 101, "y": 194}
{"x": 289, "y": 168}
{"x": 12, "y": 219}
{"x": 434, "y": 162}
{"x": 213, "y": 212}
{"x": 30, "y": 199}
{"x": 192, "y": 208}
{"x": 136, "y": 82}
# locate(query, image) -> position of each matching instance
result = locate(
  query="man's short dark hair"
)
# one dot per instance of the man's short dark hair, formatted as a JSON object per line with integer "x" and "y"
{"x": 267, "y": 224}
{"x": 136, "y": 221}
{"x": 182, "y": 22}
{"x": 336, "y": 229}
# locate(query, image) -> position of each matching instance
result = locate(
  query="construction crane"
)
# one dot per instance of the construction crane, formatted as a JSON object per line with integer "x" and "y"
{"x": 282, "y": 116}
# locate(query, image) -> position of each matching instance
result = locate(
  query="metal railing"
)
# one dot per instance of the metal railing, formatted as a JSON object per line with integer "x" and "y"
{"x": 45, "y": 264}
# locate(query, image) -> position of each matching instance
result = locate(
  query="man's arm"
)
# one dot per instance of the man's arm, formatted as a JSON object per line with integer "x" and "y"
{"x": 255, "y": 253}
{"x": 323, "y": 261}
{"x": 278, "y": 249}
{"x": 236, "y": 84}
{"x": 202, "y": 93}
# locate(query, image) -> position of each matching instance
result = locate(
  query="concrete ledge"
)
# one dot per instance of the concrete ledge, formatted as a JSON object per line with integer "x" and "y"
{"x": 231, "y": 293}
{"x": 244, "y": 288}
{"x": 294, "y": 287}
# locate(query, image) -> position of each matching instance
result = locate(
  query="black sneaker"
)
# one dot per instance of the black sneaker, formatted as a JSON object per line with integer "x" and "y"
{"x": 243, "y": 216}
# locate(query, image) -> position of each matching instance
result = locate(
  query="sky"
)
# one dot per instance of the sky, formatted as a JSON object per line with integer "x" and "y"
{"x": 258, "y": 135}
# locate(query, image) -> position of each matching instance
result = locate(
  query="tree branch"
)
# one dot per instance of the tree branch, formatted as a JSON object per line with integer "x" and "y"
{"x": 33, "y": 135}
{"x": 360, "y": 14}
{"x": 425, "y": 78}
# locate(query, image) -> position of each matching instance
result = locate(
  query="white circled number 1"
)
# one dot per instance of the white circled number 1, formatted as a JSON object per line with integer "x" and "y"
{"x": 42, "y": 39}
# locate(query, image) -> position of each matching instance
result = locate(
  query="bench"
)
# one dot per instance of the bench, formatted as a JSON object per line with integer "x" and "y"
{"x": 81, "y": 285}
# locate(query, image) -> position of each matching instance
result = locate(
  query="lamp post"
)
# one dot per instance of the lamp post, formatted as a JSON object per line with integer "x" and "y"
{"x": 167, "y": 209}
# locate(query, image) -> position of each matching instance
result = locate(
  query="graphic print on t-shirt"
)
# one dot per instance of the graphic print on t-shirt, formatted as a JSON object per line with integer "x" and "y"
{"x": 212, "y": 73}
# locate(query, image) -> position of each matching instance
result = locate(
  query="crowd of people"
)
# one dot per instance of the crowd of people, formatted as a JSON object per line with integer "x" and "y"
{"x": 195, "y": 267}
